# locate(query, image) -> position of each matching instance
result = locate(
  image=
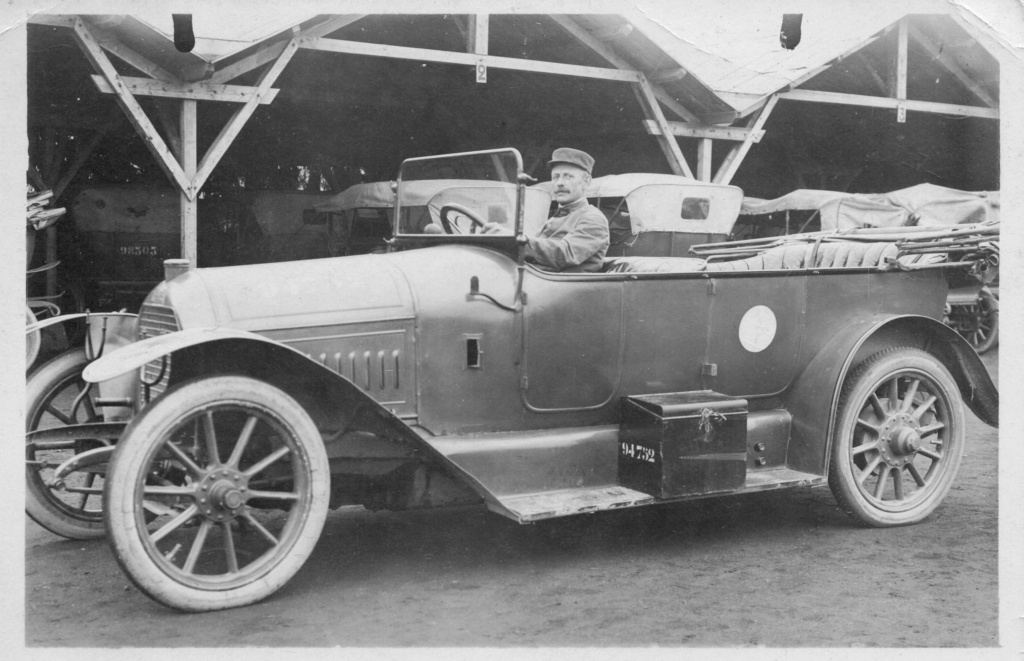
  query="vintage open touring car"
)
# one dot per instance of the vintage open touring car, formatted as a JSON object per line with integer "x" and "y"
{"x": 245, "y": 402}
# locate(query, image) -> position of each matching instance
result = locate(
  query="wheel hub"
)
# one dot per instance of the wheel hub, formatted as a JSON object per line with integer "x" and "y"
{"x": 900, "y": 440}
{"x": 222, "y": 494}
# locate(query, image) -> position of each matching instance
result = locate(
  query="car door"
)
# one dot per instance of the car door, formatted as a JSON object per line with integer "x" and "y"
{"x": 755, "y": 333}
{"x": 573, "y": 341}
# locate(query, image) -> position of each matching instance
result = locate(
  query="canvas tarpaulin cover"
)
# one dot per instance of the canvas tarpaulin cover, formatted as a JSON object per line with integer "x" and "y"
{"x": 925, "y": 205}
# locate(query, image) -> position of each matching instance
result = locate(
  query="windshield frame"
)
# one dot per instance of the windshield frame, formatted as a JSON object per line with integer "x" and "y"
{"x": 504, "y": 240}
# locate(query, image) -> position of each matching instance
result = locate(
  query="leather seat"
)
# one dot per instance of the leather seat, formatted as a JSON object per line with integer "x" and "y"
{"x": 823, "y": 255}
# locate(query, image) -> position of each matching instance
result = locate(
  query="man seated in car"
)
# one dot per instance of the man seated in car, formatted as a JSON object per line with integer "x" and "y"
{"x": 575, "y": 238}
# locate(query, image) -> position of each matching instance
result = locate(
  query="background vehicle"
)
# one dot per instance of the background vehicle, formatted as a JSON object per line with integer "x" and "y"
{"x": 123, "y": 234}
{"x": 450, "y": 371}
{"x": 972, "y": 310}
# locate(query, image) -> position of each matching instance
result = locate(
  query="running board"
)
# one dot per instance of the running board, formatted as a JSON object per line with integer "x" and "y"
{"x": 552, "y": 504}
{"x": 527, "y": 508}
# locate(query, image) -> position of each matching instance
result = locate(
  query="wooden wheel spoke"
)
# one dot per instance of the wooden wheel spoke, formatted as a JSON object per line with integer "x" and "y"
{"x": 876, "y": 404}
{"x": 864, "y": 447}
{"x": 870, "y": 426}
{"x": 242, "y": 442}
{"x": 274, "y": 495}
{"x": 174, "y": 524}
{"x": 914, "y": 473}
{"x": 266, "y": 461}
{"x": 154, "y": 490}
{"x": 213, "y": 456}
{"x": 897, "y": 483}
{"x": 266, "y": 534}
{"x": 90, "y": 409}
{"x": 883, "y": 475}
{"x": 86, "y": 492}
{"x": 931, "y": 429}
{"x": 52, "y": 410}
{"x": 894, "y": 393}
{"x": 927, "y": 404}
{"x": 197, "y": 546}
{"x": 908, "y": 398}
{"x": 229, "y": 547}
{"x": 867, "y": 470}
{"x": 184, "y": 459}
{"x": 930, "y": 453}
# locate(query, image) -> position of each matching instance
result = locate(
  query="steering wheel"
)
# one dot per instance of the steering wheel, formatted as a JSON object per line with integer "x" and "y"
{"x": 452, "y": 228}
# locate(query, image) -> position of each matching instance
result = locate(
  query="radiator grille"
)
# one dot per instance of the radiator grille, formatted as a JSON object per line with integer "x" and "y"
{"x": 155, "y": 320}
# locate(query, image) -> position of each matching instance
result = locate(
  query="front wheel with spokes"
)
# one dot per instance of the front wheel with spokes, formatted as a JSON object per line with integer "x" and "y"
{"x": 899, "y": 438}
{"x": 217, "y": 493}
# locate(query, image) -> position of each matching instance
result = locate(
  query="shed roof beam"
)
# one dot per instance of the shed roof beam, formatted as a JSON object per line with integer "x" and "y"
{"x": 271, "y": 52}
{"x": 668, "y": 75}
{"x": 733, "y": 160}
{"x": 471, "y": 59}
{"x": 241, "y": 116}
{"x": 945, "y": 60}
{"x": 581, "y": 34}
{"x": 110, "y": 44}
{"x": 820, "y": 69}
{"x": 195, "y": 91}
{"x": 735, "y": 133}
{"x": 620, "y": 31}
{"x": 884, "y": 102}
{"x": 667, "y": 141}
{"x": 875, "y": 76}
{"x": 156, "y": 145}
{"x": 84, "y": 151}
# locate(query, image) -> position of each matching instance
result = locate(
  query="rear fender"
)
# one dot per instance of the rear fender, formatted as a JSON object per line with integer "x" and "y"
{"x": 815, "y": 397}
{"x": 337, "y": 405}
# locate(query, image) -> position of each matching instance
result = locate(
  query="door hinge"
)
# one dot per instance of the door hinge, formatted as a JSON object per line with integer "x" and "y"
{"x": 711, "y": 287}
{"x": 709, "y": 369}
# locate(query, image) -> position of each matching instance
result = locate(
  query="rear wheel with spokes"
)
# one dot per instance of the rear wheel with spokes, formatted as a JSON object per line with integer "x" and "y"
{"x": 57, "y": 397}
{"x": 234, "y": 476}
{"x": 899, "y": 438}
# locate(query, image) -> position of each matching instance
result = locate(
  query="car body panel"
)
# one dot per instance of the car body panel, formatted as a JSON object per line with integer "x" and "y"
{"x": 514, "y": 378}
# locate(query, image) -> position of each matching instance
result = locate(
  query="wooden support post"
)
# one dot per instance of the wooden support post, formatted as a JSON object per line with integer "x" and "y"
{"x": 901, "y": 72}
{"x": 732, "y": 161}
{"x": 189, "y": 205}
{"x": 666, "y": 139}
{"x": 704, "y": 160}
{"x": 477, "y": 42}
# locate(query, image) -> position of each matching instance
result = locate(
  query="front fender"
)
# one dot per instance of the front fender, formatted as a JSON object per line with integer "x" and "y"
{"x": 815, "y": 396}
{"x": 334, "y": 402}
{"x": 137, "y": 354}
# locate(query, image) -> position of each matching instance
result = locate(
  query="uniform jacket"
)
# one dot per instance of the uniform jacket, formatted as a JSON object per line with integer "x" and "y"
{"x": 574, "y": 239}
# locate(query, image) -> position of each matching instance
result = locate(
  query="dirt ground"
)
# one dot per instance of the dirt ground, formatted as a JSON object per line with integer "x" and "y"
{"x": 776, "y": 569}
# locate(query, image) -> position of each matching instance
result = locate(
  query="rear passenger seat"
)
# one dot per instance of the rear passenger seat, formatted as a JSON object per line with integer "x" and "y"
{"x": 833, "y": 254}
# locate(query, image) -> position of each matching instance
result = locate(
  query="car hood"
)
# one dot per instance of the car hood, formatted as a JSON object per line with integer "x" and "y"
{"x": 314, "y": 292}
{"x": 337, "y": 290}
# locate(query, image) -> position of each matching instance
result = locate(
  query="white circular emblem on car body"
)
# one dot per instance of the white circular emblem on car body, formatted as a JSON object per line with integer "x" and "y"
{"x": 757, "y": 328}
